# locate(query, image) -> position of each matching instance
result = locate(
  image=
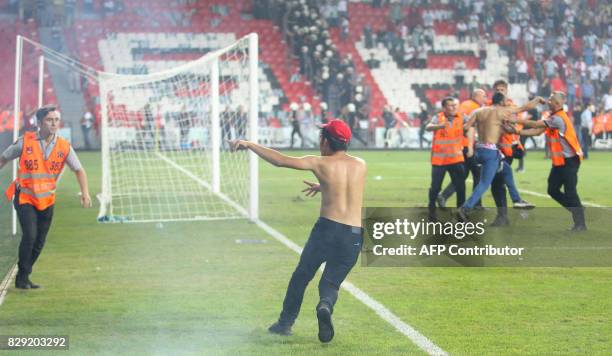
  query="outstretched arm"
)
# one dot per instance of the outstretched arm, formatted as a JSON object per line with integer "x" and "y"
{"x": 306, "y": 163}
{"x": 81, "y": 177}
{"x": 528, "y": 106}
{"x": 3, "y": 162}
{"x": 532, "y": 132}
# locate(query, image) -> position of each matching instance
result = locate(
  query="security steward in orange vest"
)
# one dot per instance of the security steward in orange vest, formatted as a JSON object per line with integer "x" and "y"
{"x": 446, "y": 152}
{"x": 42, "y": 156}
{"x": 478, "y": 99}
{"x": 566, "y": 155}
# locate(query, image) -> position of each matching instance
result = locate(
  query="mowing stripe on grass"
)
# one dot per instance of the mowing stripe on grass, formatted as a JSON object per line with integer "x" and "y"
{"x": 536, "y": 194}
{"x": 416, "y": 337}
{"x": 387, "y": 315}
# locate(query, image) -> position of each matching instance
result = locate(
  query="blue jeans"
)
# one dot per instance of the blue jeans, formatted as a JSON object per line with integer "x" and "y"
{"x": 509, "y": 180}
{"x": 489, "y": 159}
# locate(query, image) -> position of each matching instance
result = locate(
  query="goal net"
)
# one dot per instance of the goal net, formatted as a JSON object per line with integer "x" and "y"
{"x": 165, "y": 155}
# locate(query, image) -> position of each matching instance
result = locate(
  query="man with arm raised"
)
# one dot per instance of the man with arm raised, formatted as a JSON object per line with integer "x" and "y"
{"x": 337, "y": 236}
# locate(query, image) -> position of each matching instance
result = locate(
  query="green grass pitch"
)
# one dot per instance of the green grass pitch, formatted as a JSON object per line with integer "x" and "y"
{"x": 189, "y": 288}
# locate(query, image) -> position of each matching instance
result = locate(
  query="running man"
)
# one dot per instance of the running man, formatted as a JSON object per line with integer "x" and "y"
{"x": 42, "y": 155}
{"x": 337, "y": 236}
{"x": 566, "y": 156}
{"x": 489, "y": 121}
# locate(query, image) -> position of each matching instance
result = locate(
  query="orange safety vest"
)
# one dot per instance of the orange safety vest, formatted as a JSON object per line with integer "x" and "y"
{"x": 447, "y": 145}
{"x": 465, "y": 110}
{"x": 554, "y": 140}
{"x": 37, "y": 177}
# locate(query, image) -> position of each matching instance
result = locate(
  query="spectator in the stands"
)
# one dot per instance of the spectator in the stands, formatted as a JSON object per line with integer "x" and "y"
{"x": 586, "y": 129}
{"x": 522, "y": 70}
{"x": 588, "y": 91}
{"x": 368, "y": 37}
{"x": 532, "y": 86}
{"x": 550, "y": 67}
{"x": 571, "y": 91}
{"x": 515, "y": 33}
{"x": 473, "y": 28}
{"x": 482, "y": 51}
{"x": 462, "y": 29}
{"x": 422, "y": 57}
{"x": 372, "y": 62}
{"x": 459, "y": 68}
{"x": 607, "y": 100}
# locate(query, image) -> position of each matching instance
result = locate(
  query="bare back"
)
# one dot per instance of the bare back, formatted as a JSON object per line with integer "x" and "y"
{"x": 488, "y": 121}
{"x": 342, "y": 179}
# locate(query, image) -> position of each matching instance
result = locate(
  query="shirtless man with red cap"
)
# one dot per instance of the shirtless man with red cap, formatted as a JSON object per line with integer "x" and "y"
{"x": 337, "y": 236}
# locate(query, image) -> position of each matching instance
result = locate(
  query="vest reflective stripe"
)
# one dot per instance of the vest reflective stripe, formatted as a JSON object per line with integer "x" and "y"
{"x": 37, "y": 175}
{"x": 554, "y": 140}
{"x": 38, "y": 195}
{"x": 447, "y": 145}
{"x": 454, "y": 140}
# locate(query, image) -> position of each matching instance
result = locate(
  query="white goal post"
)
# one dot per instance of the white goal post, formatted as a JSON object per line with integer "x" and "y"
{"x": 165, "y": 155}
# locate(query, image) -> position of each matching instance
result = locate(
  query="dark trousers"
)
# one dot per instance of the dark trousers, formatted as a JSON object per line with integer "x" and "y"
{"x": 336, "y": 244}
{"x": 296, "y": 131}
{"x": 567, "y": 177}
{"x": 469, "y": 165}
{"x": 457, "y": 174}
{"x": 585, "y": 135}
{"x": 35, "y": 225}
{"x": 498, "y": 190}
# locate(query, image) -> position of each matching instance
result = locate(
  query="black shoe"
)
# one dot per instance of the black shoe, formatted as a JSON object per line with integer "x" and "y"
{"x": 578, "y": 228}
{"x": 280, "y": 329}
{"x": 462, "y": 214}
{"x": 441, "y": 201}
{"x": 22, "y": 284}
{"x": 500, "y": 221}
{"x": 32, "y": 285}
{"x": 326, "y": 328}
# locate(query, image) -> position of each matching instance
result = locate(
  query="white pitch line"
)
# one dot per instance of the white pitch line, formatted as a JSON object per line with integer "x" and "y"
{"x": 416, "y": 337}
{"x": 387, "y": 315}
{"x": 7, "y": 280}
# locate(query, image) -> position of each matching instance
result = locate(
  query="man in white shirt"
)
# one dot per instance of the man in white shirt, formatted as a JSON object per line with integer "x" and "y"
{"x": 607, "y": 100}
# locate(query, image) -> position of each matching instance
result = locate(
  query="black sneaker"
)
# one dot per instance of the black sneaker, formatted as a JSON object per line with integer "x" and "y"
{"x": 326, "y": 328}
{"x": 32, "y": 285}
{"x": 441, "y": 201}
{"x": 21, "y": 284}
{"x": 500, "y": 221}
{"x": 522, "y": 204}
{"x": 279, "y": 328}
{"x": 578, "y": 228}
{"x": 462, "y": 214}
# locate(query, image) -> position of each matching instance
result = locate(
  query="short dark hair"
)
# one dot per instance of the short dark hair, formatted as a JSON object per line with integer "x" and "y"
{"x": 334, "y": 143}
{"x": 42, "y": 112}
{"x": 498, "y": 98}
{"x": 500, "y": 82}
{"x": 446, "y": 100}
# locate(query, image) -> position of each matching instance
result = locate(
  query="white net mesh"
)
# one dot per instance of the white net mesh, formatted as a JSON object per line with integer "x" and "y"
{"x": 161, "y": 160}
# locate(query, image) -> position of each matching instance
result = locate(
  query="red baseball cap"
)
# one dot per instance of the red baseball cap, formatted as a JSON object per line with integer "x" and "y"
{"x": 338, "y": 129}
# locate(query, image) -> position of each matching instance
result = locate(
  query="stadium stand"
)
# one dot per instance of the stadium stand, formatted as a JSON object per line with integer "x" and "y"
{"x": 398, "y": 53}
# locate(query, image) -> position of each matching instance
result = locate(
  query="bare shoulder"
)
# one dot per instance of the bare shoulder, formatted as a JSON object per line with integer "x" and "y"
{"x": 357, "y": 161}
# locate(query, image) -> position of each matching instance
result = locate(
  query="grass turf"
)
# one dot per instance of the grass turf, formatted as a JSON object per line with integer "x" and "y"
{"x": 189, "y": 288}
